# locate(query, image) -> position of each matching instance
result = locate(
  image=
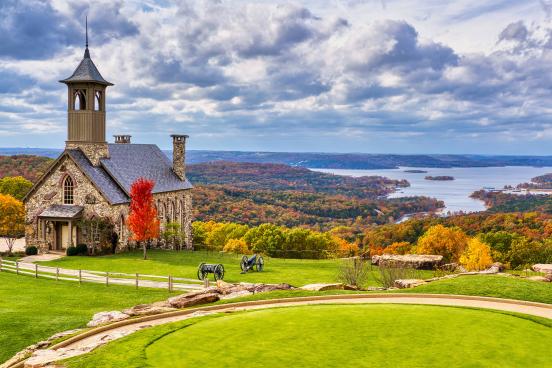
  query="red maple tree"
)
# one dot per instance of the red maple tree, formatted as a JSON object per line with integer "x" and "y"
{"x": 143, "y": 221}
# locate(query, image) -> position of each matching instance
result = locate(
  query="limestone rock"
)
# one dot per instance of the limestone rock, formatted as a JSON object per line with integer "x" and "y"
{"x": 106, "y": 317}
{"x": 236, "y": 294}
{"x": 323, "y": 287}
{"x": 543, "y": 267}
{"x": 539, "y": 278}
{"x": 408, "y": 283}
{"x": 418, "y": 261}
{"x": 264, "y": 288}
{"x": 189, "y": 300}
{"x": 148, "y": 309}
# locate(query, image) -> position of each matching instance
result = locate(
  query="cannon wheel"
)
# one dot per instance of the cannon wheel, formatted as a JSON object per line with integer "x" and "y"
{"x": 243, "y": 263}
{"x": 219, "y": 272}
{"x": 200, "y": 273}
{"x": 259, "y": 266}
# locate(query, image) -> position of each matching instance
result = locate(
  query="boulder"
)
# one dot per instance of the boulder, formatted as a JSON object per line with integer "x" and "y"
{"x": 539, "y": 278}
{"x": 106, "y": 317}
{"x": 148, "y": 309}
{"x": 323, "y": 287}
{"x": 408, "y": 283}
{"x": 495, "y": 268}
{"x": 265, "y": 288}
{"x": 543, "y": 267}
{"x": 418, "y": 261}
{"x": 237, "y": 294}
{"x": 189, "y": 300}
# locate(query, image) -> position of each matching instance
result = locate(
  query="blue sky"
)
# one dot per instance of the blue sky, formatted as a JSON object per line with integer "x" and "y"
{"x": 328, "y": 76}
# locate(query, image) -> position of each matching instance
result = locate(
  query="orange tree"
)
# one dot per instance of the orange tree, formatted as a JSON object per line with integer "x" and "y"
{"x": 143, "y": 221}
{"x": 449, "y": 242}
{"x": 12, "y": 220}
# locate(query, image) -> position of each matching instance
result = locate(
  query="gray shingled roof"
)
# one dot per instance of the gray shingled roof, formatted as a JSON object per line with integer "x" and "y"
{"x": 62, "y": 211}
{"x": 107, "y": 186}
{"x": 86, "y": 72}
{"x": 128, "y": 162}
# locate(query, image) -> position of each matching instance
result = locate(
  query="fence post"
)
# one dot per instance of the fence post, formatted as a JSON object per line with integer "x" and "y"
{"x": 80, "y": 277}
{"x": 57, "y": 274}
{"x": 136, "y": 281}
{"x": 36, "y": 271}
{"x": 170, "y": 283}
{"x": 17, "y": 267}
{"x": 107, "y": 278}
{"x": 206, "y": 282}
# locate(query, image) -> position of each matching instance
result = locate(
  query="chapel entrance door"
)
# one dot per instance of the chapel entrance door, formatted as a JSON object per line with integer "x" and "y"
{"x": 62, "y": 238}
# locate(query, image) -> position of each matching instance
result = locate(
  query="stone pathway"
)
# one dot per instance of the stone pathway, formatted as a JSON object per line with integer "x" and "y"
{"x": 42, "y": 257}
{"x": 85, "y": 343}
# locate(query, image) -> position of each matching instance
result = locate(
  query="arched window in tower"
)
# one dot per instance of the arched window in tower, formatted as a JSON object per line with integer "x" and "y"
{"x": 68, "y": 190}
{"x": 98, "y": 101}
{"x": 79, "y": 100}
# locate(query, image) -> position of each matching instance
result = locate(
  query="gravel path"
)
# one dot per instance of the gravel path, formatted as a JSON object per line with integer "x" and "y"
{"x": 86, "y": 342}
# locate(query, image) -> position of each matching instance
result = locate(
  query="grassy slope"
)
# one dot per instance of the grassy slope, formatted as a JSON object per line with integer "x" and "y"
{"x": 184, "y": 264}
{"x": 338, "y": 336}
{"x": 32, "y": 310}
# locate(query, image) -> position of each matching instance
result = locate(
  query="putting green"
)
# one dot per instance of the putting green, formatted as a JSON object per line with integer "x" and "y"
{"x": 337, "y": 336}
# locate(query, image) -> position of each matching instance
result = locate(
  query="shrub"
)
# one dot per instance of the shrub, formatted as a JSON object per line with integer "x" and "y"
{"x": 388, "y": 275}
{"x": 238, "y": 246}
{"x": 82, "y": 249}
{"x": 354, "y": 271}
{"x": 31, "y": 250}
{"x": 72, "y": 251}
{"x": 477, "y": 256}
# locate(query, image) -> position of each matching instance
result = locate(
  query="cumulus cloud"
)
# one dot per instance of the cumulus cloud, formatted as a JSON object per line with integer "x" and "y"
{"x": 251, "y": 71}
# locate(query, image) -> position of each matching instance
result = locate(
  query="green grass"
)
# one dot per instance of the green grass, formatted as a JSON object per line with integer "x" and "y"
{"x": 34, "y": 309}
{"x": 184, "y": 264}
{"x": 336, "y": 336}
{"x": 490, "y": 285}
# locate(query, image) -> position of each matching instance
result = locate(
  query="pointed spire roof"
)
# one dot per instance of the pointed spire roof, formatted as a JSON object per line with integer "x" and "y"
{"x": 86, "y": 71}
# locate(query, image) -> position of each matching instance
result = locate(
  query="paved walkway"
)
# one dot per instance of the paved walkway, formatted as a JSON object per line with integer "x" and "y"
{"x": 42, "y": 257}
{"x": 89, "y": 340}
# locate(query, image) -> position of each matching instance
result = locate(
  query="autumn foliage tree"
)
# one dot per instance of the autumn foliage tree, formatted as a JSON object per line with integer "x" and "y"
{"x": 450, "y": 242}
{"x": 477, "y": 256}
{"x": 143, "y": 221}
{"x": 12, "y": 220}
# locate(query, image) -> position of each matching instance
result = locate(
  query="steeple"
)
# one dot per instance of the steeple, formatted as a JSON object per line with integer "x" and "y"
{"x": 86, "y": 108}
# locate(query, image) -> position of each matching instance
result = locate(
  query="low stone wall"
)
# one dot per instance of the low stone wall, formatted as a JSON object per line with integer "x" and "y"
{"x": 417, "y": 261}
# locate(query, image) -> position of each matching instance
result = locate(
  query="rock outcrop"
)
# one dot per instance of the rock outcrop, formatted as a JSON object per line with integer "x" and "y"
{"x": 418, "y": 261}
{"x": 408, "y": 283}
{"x": 190, "y": 300}
{"x": 107, "y": 317}
{"x": 543, "y": 267}
{"x": 149, "y": 309}
{"x": 323, "y": 287}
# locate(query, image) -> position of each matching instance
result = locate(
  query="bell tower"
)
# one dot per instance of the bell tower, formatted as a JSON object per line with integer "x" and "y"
{"x": 86, "y": 94}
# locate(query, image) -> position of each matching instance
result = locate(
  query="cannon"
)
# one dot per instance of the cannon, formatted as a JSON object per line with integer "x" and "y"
{"x": 205, "y": 268}
{"x": 256, "y": 261}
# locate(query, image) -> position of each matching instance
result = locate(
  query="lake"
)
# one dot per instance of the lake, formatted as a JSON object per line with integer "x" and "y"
{"x": 455, "y": 193}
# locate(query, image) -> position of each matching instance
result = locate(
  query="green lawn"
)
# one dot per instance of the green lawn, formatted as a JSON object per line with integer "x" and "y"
{"x": 490, "y": 285}
{"x": 34, "y": 309}
{"x": 336, "y": 336}
{"x": 184, "y": 264}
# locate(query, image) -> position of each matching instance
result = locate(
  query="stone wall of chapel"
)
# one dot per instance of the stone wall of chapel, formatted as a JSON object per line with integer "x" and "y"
{"x": 176, "y": 207}
{"x": 50, "y": 192}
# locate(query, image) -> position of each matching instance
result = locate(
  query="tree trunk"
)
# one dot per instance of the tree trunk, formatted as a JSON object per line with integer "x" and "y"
{"x": 144, "y": 247}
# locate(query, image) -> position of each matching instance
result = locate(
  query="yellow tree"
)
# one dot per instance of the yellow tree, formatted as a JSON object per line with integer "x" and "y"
{"x": 12, "y": 220}
{"x": 477, "y": 256}
{"x": 449, "y": 242}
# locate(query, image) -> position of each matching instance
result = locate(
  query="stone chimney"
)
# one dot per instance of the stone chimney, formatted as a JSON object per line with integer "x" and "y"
{"x": 179, "y": 155}
{"x": 122, "y": 139}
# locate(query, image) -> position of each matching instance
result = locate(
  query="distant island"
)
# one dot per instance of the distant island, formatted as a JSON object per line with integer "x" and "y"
{"x": 413, "y": 171}
{"x": 439, "y": 178}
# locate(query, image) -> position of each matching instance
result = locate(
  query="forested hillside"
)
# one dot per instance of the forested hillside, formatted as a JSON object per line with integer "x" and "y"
{"x": 29, "y": 167}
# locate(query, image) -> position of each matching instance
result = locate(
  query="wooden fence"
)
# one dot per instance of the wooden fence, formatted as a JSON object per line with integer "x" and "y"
{"x": 101, "y": 277}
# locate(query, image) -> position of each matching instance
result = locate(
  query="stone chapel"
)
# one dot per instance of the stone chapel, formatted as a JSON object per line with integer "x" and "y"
{"x": 91, "y": 179}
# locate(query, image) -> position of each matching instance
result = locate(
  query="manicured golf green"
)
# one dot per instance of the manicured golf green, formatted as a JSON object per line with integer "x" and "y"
{"x": 34, "y": 309}
{"x": 337, "y": 336}
{"x": 184, "y": 264}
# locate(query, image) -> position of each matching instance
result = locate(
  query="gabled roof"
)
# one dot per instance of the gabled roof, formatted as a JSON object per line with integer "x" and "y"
{"x": 86, "y": 72}
{"x": 99, "y": 177}
{"x": 128, "y": 162}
